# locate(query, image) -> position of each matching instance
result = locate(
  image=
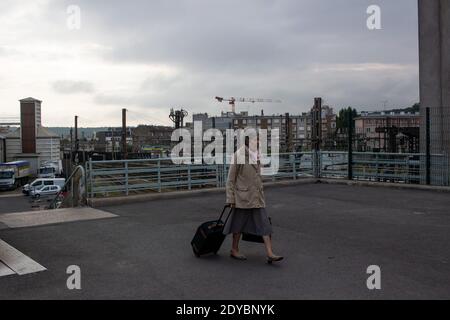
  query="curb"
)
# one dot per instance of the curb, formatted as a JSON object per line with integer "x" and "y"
{"x": 113, "y": 201}
{"x": 384, "y": 185}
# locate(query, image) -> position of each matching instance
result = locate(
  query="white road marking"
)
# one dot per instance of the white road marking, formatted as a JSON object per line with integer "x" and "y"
{"x": 17, "y": 261}
{"x": 5, "y": 271}
{"x": 43, "y": 217}
{"x": 11, "y": 195}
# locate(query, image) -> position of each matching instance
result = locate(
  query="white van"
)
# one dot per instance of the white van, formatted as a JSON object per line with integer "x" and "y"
{"x": 41, "y": 182}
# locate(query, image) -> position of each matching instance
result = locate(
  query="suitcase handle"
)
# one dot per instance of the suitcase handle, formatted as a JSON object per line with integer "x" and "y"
{"x": 223, "y": 211}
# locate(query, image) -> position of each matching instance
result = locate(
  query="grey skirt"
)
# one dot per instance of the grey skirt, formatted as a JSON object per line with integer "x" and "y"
{"x": 253, "y": 221}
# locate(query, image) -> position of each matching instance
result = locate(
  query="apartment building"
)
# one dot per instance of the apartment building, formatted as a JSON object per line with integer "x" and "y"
{"x": 388, "y": 131}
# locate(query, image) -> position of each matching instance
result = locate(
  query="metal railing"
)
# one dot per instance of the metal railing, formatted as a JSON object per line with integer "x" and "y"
{"x": 125, "y": 177}
{"x": 384, "y": 167}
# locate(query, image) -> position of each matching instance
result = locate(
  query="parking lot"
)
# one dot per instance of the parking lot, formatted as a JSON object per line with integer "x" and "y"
{"x": 329, "y": 234}
{"x": 16, "y": 201}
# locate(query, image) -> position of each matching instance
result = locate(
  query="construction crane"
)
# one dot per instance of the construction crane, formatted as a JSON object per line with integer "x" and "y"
{"x": 232, "y": 101}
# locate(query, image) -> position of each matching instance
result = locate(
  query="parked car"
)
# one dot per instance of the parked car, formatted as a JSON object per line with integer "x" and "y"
{"x": 38, "y": 183}
{"x": 45, "y": 191}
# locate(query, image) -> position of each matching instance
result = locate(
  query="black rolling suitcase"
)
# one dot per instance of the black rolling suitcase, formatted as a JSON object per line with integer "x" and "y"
{"x": 209, "y": 236}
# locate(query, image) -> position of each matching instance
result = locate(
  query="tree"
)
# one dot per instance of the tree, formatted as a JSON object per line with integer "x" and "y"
{"x": 342, "y": 118}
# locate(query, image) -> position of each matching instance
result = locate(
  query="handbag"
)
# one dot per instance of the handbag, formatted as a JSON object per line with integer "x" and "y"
{"x": 252, "y": 237}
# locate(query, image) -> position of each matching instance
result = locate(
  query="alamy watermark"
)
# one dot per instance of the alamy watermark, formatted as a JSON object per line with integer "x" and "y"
{"x": 374, "y": 280}
{"x": 74, "y": 280}
{"x": 374, "y": 20}
{"x": 73, "y": 21}
{"x": 214, "y": 153}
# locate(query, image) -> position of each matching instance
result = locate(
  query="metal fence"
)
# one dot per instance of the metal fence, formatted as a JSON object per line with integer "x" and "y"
{"x": 119, "y": 177}
{"x": 383, "y": 167}
{"x": 125, "y": 177}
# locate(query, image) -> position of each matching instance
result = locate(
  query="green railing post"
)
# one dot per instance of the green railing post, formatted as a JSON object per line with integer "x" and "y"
{"x": 294, "y": 170}
{"x": 189, "y": 177}
{"x": 350, "y": 147}
{"x": 159, "y": 176}
{"x": 126, "y": 178}
{"x": 91, "y": 191}
{"x": 427, "y": 147}
{"x": 217, "y": 176}
{"x": 377, "y": 168}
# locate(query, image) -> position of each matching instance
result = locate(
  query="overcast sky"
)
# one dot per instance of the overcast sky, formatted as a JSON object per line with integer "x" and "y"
{"x": 149, "y": 56}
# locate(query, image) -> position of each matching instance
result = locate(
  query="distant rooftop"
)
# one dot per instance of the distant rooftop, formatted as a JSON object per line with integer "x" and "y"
{"x": 30, "y": 99}
{"x": 42, "y": 132}
{"x": 376, "y": 114}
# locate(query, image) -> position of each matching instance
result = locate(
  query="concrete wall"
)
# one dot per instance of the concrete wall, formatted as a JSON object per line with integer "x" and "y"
{"x": 48, "y": 149}
{"x": 434, "y": 51}
{"x": 13, "y": 147}
{"x": 434, "y": 59}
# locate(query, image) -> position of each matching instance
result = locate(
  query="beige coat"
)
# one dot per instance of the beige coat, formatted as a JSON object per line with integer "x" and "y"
{"x": 244, "y": 185}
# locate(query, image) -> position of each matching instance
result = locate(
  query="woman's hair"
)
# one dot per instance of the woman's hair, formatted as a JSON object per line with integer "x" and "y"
{"x": 247, "y": 139}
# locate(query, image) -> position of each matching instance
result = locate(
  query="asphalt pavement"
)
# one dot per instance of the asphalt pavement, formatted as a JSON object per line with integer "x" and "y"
{"x": 329, "y": 235}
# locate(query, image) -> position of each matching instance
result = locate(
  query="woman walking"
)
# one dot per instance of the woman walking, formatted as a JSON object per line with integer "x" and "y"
{"x": 245, "y": 194}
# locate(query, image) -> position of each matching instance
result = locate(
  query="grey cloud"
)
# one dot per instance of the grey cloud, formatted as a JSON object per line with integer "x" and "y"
{"x": 72, "y": 87}
{"x": 248, "y": 35}
{"x": 255, "y": 48}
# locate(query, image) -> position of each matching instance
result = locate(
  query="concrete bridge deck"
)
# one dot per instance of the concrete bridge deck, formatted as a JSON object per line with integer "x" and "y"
{"x": 329, "y": 235}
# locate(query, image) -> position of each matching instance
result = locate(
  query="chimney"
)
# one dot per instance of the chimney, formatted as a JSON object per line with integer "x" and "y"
{"x": 30, "y": 120}
{"x": 262, "y": 112}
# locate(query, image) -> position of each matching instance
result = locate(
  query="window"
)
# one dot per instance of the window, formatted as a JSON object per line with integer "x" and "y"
{"x": 276, "y": 120}
{"x": 6, "y": 175}
{"x": 48, "y": 183}
{"x": 258, "y": 121}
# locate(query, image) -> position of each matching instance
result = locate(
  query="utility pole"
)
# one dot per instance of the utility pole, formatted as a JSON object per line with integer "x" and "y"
{"x": 124, "y": 134}
{"x": 350, "y": 146}
{"x": 71, "y": 152}
{"x": 288, "y": 133}
{"x": 316, "y": 116}
{"x": 112, "y": 144}
{"x": 317, "y": 123}
{"x": 76, "y": 134}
